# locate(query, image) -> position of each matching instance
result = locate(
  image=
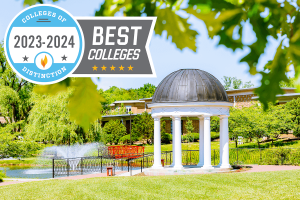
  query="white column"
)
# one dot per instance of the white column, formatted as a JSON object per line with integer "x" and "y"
{"x": 225, "y": 142}
{"x": 207, "y": 146}
{"x": 157, "y": 144}
{"x": 221, "y": 142}
{"x": 177, "y": 144}
{"x": 173, "y": 142}
{"x": 201, "y": 142}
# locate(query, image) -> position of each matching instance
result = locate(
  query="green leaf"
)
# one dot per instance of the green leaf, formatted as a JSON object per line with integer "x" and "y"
{"x": 213, "y": 22}
{"x": 53, "y": 89}
{"x": 111, "y": 7}
{"x": 270, "y": 81}
{"x": 258, "y": 47}
{"x": 218, "y": 5}
{"x": 85, "y": 103}
{"x": 176, "y": 27}
{"x": 31, "y": 2}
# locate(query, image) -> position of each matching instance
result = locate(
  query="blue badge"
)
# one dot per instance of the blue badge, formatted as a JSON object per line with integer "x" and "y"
{"x": 44, "y": 44}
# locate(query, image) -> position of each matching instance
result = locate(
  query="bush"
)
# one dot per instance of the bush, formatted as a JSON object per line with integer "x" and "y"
{"x": 214, "y": 135}
{"x": 2, "y": 175}
{"x": 19, "y": 147}
{"x": 166, "y": 138}
{"x": 194, "y": 137}
{"x": 126, "y": 139}
{"x": 188, "y": 137}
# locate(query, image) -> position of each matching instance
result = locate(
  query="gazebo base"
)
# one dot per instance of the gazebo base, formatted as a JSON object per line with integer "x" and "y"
{"x": 186, "y": 170}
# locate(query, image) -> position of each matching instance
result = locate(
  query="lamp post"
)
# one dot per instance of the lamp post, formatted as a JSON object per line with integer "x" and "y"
{"x": 130, "y": 128}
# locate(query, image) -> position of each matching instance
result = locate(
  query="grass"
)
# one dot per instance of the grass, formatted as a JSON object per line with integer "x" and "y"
{"x": 25, "y": 161}
{"x": 216, "y": 145}
{"x": 262, "y": 185}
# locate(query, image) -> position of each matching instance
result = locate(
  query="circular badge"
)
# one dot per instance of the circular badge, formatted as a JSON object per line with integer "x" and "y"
{"x": 44, "y": 44}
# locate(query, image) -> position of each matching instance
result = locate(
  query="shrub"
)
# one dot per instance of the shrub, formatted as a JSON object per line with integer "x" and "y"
{"x": 17, "y": 147}
{"x": 2, "y": 175}
{"x": 214, "y": 135}
{"x": 166, "y": 138}
{"x": 126, "y": 139}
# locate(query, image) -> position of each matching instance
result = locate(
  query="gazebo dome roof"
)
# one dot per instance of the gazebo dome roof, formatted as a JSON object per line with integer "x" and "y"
{"x": 189, "y": 85}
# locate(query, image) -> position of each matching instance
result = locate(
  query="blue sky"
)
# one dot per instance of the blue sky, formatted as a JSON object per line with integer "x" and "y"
{"x": 217, "y": 60}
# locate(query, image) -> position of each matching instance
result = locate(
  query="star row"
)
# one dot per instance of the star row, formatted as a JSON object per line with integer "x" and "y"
{"x": 25, "y": 58}
{"x": 112, "y": 68}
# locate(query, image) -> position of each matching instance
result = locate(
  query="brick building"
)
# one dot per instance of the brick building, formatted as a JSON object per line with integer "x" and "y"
{"x": 240, "y": 97}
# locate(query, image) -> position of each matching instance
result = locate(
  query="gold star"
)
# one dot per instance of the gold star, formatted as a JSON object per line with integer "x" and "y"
{"x": 103, "y": 68}
{"x": 121, "y": 68}
{"x": 112, "y": 68}
{"x": 95, "y": 68}
{"x": 130, "y": 68}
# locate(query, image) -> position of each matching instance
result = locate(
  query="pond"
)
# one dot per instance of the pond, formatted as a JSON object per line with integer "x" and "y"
{"x": 27, "y": 171}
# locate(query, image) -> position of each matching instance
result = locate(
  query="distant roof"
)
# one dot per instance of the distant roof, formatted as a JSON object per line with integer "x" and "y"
{"x": 123, "y": 115}
{"x": 145, "y": 99}
{"x": 128, "y": 101}
{"x": 189, "y": 85}
{"x": 283, "y": 95}
{"x": 252, "y": 88}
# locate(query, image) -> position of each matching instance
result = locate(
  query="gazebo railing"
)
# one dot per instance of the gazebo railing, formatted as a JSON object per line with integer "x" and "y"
{"x": 98, "y": 164}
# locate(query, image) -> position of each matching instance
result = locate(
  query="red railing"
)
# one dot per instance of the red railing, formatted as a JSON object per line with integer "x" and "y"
{"x": 126, "y": 151}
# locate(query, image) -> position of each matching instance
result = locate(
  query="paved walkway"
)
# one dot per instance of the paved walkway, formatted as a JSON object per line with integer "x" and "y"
{"x": 89, "y": 176}
{"x": 265, "y": 168}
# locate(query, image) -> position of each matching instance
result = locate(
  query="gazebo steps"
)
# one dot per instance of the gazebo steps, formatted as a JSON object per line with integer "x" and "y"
{"x": 186, "y": 170}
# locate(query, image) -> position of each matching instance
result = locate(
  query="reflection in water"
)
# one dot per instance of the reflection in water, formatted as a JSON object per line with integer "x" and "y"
{"x": 27, "y": 172}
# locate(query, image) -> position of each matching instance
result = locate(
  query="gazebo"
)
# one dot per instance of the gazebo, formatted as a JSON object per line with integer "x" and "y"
{"x": 191, "y": 93}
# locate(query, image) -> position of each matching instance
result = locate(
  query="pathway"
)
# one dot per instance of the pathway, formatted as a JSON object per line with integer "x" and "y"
{"x": 265, "y": 168}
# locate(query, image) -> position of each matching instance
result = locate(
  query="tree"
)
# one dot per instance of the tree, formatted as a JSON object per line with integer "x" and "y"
{"x": 15, "y": 94}
{"x": 143, "y": 127}
{"x": 215, "y": 124}
{"x": 49, "y": 121}
{"x": 165, "y": 137}
{"x": 189, "y": 125}
{"x": 237, "y": 124}
{"x": 278, "y": 121}
{"x": 234, "y": 83}
{"x": 114, "y": 130}
{"x": 248, "y": 85}
{"x": 116, "y": 94}
{"x": 293, "y": 107}
{"x": 227, "y": 82}
{"x": 291, "y": 83}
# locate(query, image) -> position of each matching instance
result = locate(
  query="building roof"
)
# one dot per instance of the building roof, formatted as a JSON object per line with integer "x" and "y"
{"x": 127, "y": 101}
{"x": 189, "y": 85}
{"x": 281, "y": 96}
{"x": 253, "y": 88}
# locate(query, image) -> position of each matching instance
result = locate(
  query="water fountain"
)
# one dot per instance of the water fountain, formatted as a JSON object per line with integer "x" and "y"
{"x": 73, "y": 153}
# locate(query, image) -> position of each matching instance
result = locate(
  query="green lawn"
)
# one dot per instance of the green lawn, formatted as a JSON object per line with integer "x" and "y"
{"x": 216, "y": 145}
{"x": 263, "y": 185}
{"x": 23, "y": 161}
{"x": 26, "y": 161}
